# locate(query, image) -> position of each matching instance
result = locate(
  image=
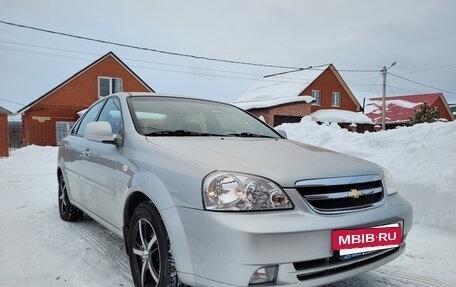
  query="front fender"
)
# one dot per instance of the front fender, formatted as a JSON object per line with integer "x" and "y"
{"x": 152, "y": 187}
{"x": 148, "y": 186}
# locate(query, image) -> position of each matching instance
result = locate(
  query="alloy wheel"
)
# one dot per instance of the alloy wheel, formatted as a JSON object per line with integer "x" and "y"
{"x": 146, "y": 250}
{"x": 62, "y": 194}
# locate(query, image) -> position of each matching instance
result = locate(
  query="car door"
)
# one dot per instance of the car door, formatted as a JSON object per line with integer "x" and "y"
{"x": 99, "y": 167}
{"x": 73, "y": 148}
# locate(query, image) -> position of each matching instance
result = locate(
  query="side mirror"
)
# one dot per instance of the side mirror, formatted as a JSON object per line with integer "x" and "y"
{"x": 99, "y": 132}
{"x": 282, "y": 133}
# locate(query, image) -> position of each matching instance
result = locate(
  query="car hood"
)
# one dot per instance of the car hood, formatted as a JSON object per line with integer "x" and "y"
{"x": 280, "y": 160}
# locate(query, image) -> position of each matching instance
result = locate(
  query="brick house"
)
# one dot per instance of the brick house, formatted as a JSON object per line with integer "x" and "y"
{"x": 400, "y": 108}
{"x": 4, "y": 143}
{"x": 287, "y": 97}
{"x": 48, "y": 119}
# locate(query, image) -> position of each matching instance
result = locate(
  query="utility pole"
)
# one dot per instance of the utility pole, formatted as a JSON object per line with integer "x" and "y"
{"x": 384, "y": 72}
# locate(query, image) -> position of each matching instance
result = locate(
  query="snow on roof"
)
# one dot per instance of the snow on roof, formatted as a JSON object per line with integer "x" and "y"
{"x": 279, "y": 89}
{"x": 399, "y": 108}
{"x": 272, "y": 102}
{"x": 4, "y": 111}
{"x": 340, "y": 116}
{"x": 399, "y": 103}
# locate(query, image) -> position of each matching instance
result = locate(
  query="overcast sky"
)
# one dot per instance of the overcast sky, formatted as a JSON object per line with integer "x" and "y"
{"x": 359, "y": 37}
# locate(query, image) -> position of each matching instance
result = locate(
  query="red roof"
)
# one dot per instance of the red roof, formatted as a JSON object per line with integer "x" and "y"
{"x": 400, "y": 108}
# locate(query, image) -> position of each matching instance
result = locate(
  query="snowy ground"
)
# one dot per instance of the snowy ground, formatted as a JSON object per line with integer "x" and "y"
{"x": 38, "y": 249}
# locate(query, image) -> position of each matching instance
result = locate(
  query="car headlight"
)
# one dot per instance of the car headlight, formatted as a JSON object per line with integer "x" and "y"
{"x": 389, "y": 182}
{"x": 226, "y": 191}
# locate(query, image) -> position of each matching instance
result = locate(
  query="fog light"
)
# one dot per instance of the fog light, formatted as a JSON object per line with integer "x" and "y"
{"x": 263, "y": 275}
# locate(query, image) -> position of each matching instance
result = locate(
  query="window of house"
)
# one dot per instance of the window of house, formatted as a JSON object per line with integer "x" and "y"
{"x": 316, "y": 94}
{"x": 335, "y": 101}
{"x": 107, "y": 86}
{"x": 62, "y": 130}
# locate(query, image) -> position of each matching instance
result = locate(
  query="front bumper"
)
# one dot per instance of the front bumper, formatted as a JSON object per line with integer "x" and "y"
{"x": 225, "y": 249}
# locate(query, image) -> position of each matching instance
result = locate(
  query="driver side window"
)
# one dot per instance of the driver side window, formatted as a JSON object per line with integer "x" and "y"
{"x": 89, "y": 116}
{"x": 111, "y": 114}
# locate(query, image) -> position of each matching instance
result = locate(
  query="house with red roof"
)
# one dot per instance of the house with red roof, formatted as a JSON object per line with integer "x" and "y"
{"x": 287, "y": 97}
{"x": 49, "y": 118}
{"x": 400, "y": 108}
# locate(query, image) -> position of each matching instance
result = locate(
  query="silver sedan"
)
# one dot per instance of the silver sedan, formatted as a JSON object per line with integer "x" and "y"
{"x": 205, "y": 194}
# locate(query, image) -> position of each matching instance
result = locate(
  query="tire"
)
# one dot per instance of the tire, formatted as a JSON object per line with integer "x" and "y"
{"x": 149, "y": 249}
{"x": 68, "y": 212}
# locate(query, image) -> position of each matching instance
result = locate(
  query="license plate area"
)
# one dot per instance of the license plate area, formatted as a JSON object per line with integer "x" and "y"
{"x": 351, "y": 243}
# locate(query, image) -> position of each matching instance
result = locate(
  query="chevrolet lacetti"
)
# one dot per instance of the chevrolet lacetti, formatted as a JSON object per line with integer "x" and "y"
{"x": 205, "y": 194}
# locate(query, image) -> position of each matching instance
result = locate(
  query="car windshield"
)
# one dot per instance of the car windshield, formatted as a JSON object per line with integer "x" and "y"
{"x": 171, "y": 116}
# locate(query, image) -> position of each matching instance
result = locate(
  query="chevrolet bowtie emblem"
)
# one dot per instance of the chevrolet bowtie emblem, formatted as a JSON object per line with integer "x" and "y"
{"x": 354, "y": 193}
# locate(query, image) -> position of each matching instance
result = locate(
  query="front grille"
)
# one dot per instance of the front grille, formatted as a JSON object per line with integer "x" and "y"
{"x": 342, "y": 194}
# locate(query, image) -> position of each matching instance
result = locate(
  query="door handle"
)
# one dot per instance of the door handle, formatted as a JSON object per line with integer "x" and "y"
{"x": 86, "y": 153}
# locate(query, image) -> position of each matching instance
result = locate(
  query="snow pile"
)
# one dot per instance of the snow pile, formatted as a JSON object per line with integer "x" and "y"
{"x": 340, "y": 116}
{"x": 421, "y": 159}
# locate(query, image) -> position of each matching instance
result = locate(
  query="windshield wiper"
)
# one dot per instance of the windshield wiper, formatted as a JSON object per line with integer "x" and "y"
{"x": 178, "y": 133}
{"x": 250, "y": 135}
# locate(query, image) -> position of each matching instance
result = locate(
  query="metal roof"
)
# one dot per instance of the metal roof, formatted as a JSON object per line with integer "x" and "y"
{"x": 400, "y": 108}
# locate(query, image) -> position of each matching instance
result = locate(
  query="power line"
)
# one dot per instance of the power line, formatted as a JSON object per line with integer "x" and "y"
{"x": 38, "y": 53}
{"x": 95, "y": 54}
{"x": 200, "y": 57}
{"x": 430, "y": 69}
{"x": 256, "y": 76}
{"x": 405, "y": 89}
{"x": 148, "y": 49}
{"x": 421, "y": 84}
{"x": 175, "y": 53}
{"x": 49, "y": 48}
{"x": 28, "y": 51}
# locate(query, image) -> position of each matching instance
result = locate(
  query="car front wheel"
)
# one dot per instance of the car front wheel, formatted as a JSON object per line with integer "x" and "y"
{"x": 149, "y": 251}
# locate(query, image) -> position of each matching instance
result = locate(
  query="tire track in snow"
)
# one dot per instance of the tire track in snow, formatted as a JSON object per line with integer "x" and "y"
{"x": 104, "y": 242}
{"x": 413, "y": 279}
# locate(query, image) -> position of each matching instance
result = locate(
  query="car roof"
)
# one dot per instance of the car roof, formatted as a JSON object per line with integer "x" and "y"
{"x": 149, "y": 94}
